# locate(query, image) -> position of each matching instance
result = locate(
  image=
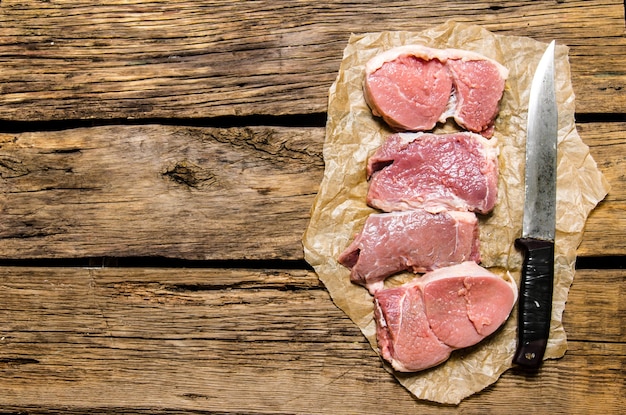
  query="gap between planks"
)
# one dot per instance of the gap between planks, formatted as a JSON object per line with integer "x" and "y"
{"x": 582, "y": 263}
{"x": 289, "y": 120}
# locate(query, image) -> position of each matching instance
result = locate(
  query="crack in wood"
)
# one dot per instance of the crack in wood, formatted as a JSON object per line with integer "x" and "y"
{"x": 11, "y": 167}
{"x": 56, "y": 188}
{"x": 153, "y": 293}
{"x": 191, "y": 175}
{"x": 267, "y": 143}
{"x": 17, "y": 361}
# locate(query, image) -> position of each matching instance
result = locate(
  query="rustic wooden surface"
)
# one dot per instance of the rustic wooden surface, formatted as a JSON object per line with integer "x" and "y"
{"x": 158, "y": 160}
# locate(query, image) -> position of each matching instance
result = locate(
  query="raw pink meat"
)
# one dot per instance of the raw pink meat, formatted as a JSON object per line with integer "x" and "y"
{"x": 414, "y": 240}
{"x": 413, "y": 87}
{"x": 404, "y": 337}
{"x": 436, "y": 172}
{"x": 421, "y": 322}
{"x": 416, "y": 103}
{"x": 478, "y": 87}
{"x": 466, "y": 303}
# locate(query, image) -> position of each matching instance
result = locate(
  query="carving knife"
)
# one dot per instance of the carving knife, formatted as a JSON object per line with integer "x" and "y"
{"x": 539, "y": 222}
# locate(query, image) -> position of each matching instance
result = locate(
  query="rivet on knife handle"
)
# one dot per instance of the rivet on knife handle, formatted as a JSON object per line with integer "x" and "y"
{"x": 535, "y": 301}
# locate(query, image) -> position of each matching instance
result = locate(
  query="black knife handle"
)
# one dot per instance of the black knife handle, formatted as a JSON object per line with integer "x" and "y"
{"x": 535, "y": 301}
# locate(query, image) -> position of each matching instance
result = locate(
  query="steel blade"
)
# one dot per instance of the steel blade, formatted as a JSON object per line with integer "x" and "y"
{"x": 541, "y": 142}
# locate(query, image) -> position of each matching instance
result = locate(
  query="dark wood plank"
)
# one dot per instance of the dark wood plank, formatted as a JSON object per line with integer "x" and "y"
{"x": 184, "y": 59}
{"x": 165, "y": 190}
{"x": 250, "y": 341}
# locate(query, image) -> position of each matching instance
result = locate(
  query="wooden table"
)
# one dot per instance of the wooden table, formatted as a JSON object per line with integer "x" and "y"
{"x": 158, "y": 160}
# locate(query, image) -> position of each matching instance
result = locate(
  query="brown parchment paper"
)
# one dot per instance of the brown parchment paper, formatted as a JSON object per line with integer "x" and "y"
{"x": 339, "y": 210}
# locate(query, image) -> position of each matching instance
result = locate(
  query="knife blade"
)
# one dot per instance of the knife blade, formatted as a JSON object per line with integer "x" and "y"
{"x": 539, "y": 220}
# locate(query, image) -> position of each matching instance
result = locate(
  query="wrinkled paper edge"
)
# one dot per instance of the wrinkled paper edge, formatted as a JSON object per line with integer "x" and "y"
{"x": 339, "y": 209}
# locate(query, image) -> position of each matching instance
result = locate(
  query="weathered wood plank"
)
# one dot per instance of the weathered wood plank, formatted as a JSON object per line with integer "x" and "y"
{"x": 195, "y": 193}
{"x": 249, "y": 341}
{"x": 607, "y": 223}
{"x": 590, "y": 307}
{"x": 165, "y": 190}
{"x": 184, "y": 59}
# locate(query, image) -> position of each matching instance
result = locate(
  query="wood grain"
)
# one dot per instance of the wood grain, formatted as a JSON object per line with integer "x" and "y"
{"x": 607, "y": 143}
{"x": 194, "y": 193}
{"x": 211, "y": 149}
{"x": 188, "y": 59}
{"x": 240, "y": 341}
{"x": 160, "y": 190}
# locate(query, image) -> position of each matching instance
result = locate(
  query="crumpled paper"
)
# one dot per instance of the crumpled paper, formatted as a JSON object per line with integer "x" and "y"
{"x": 339, "y": 210}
